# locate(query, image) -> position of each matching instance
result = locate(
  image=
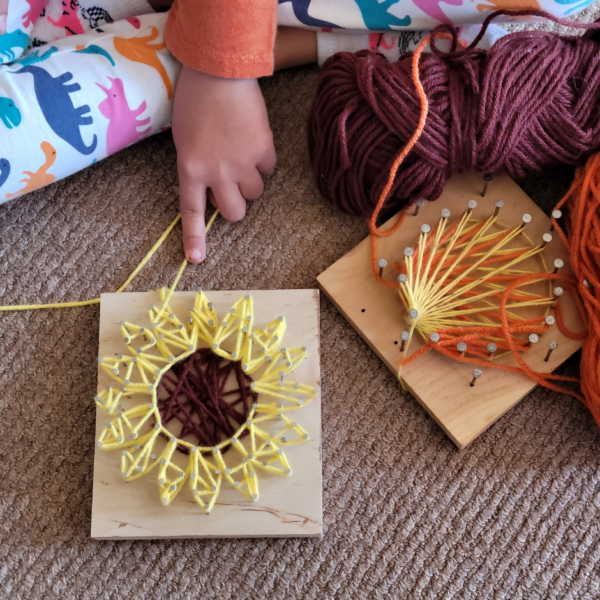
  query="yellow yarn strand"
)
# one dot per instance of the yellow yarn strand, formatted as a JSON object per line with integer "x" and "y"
{"x": 143, "y": 262}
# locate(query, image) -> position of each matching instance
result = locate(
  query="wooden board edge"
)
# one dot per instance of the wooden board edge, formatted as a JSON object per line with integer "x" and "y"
{"x": 208, "y": 537}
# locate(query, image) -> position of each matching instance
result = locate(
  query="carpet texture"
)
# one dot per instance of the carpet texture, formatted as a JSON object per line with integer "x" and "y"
{"x": 516, "y": 515}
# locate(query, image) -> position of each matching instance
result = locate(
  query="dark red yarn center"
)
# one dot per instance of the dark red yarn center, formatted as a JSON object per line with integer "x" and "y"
{"x": 209, "y": 396}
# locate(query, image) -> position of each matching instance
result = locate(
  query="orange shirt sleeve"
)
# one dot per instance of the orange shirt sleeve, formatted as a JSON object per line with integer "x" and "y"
{"x": 227, "y": 38}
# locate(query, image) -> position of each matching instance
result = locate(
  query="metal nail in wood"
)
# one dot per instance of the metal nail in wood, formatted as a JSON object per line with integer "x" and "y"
{"x": 552, "y": 346}
{"x": 546, "y": 239}
{"x": 526, "y": 218}
{"x": 487, "y": 179}
{"x": 498, "y": 204}
{"x": 557, "y": 292}
{"x": 556, "y": 214}
{"x": 404, "y": 336}
{"x": 477, "y": 373}
{"x": 558, "y": 264}
{"x": 418, "y": 205}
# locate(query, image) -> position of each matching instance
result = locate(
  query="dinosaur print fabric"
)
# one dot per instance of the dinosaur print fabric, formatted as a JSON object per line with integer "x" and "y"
{"x": 386, "y": 15}
{"x": 32, "y": 23}
{"x": 67, "y": 105}
{"x": 82, "y": 79}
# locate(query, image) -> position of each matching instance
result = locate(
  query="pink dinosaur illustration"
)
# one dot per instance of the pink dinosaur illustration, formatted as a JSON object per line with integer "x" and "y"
{"x": 434, "y": 10}
{"x": 377, "y": 40}
{"x": 35, "y": 10}
{"x": 69, "y": 20}
{"x": 123, "y": 122}
{"x": 134, "y": 21}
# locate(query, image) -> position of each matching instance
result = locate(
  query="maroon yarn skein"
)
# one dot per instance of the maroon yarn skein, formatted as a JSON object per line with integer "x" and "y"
{"x": 529, "y": 103}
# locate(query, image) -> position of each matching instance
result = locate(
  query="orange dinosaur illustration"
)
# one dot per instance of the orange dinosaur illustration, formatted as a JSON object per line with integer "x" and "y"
{"x": 139, "y": 49}
{"x": 41, "y": 177}
{"x": 509, "y": 5}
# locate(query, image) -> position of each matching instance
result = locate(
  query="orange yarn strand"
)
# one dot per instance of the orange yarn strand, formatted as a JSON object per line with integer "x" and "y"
{"x": 582, "y": 236}
{"x": 375, "y": 233}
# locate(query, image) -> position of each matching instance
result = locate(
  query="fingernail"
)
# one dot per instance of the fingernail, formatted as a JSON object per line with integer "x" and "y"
{"x": 195, "y": 255}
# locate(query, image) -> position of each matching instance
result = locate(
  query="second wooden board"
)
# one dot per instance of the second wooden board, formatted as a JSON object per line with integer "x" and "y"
{"x": 440, "y": 384}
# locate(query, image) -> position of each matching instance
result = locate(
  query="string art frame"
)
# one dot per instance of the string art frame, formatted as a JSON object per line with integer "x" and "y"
{"x": 145, "y": 421}
{"x": 464, "y": 272}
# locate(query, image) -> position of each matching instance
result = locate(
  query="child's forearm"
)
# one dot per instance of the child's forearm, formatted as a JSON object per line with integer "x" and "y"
{"x": 295, "y": 47}
{"x": 160, "y": 5}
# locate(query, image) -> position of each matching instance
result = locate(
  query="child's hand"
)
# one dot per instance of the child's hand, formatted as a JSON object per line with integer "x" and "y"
{"x": 224, "y": 142}
{"x": 3, "y": 13}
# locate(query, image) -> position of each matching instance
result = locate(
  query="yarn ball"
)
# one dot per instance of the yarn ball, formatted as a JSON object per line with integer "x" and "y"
{"x": 529, "y": 103}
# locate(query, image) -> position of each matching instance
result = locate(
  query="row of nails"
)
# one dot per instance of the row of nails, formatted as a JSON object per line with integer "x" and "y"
{"x": 461, "y": 347}
{"x": 546, "y": 238}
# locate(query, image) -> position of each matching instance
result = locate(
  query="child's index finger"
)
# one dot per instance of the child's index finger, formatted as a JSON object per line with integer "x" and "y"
{"x": 192, "y": 204}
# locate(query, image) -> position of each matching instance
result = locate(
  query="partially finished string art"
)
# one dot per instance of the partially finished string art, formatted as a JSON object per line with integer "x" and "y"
{"x": 471, "y": 291}
{"x": 474, "y": 288}
{"x": 463, "y": 299}
{"x": 470, "y": 295}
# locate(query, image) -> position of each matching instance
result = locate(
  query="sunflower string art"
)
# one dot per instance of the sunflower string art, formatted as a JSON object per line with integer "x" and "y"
{"x": 205, "y": 394}
{"x": 203, "y": 401}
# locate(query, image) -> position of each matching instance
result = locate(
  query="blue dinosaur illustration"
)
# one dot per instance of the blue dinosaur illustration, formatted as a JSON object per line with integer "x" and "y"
{"x": 575, "y": 8}
{"x": 300, "y": 8}
{"x": 93, "y": 49}
{"x": 8, "y": 41}
{"x": 4, "y": 171}
{"x": 9, "y": 113}
{"x": 376, "y": 16}
{"x": 57, "y": 107}
{"x": 35, "y": 57}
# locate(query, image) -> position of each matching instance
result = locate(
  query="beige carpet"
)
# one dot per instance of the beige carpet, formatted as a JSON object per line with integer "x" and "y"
{"x": 514, "y": 516}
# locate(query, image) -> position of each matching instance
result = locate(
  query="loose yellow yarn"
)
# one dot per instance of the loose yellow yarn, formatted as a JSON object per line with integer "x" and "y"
{"x": 146, "y": 258}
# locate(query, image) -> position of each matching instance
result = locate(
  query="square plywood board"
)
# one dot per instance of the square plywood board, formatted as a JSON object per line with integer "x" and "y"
{"x": 440, "y": 384}
{"x": 287, "y": 506}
